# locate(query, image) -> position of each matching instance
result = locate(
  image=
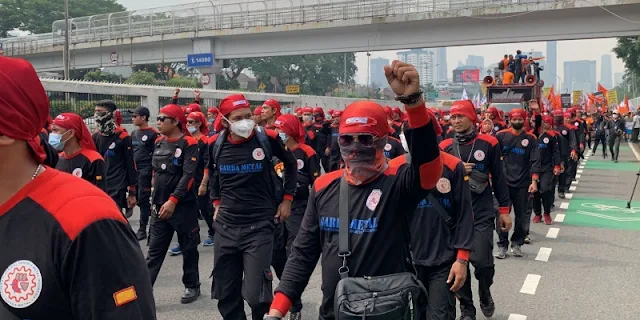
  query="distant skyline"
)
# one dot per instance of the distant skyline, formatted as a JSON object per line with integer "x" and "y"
{"x": 570, "y": 50}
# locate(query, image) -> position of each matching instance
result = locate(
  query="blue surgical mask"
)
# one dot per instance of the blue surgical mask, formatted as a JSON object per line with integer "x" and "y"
{"x": 55, "y": 140}
{"x": 283, "y": 137}
{"x": 192, "y": 130}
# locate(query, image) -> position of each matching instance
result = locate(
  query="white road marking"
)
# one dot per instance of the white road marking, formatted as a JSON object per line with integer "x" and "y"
{"x": 572, "y": 188}
{"x": 635, "y": 152}
{"x": 564, "y": 205}
{"x": 515, "y": 316}
{"x": 579, "y": 171}
{"x": 530, "y": 284}
{"x": 578, "y": 176}
{"x": 568, "y": 196}
{"x": 559, "y": 218}
{"x": 543, "y": 254}
{"x": 580, "y": 167}
{"x": 553, "y": 233}
{"x": 575, "y": 182}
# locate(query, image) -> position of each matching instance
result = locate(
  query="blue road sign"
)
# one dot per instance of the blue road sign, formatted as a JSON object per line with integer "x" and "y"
{"x": 200, "y": 60}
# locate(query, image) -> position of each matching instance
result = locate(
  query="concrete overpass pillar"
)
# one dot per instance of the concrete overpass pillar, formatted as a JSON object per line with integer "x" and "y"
{"x": 206, "y": 46}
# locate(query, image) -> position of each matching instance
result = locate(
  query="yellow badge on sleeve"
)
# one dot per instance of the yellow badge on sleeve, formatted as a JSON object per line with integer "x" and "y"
{"x": 125, "y": 296}
{"x": 193, "y": 159}
{"x": 466, "y": 178}
{"x": 98, "y": 178}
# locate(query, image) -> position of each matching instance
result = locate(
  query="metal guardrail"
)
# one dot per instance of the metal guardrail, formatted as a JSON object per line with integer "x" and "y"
{"x": 202, "y": 16}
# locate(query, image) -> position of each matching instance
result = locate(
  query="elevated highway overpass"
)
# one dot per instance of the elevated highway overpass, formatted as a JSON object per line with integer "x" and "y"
{"x": 293, "y": 27}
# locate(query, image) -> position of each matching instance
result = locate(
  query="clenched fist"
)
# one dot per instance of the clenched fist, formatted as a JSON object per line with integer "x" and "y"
{"x": 403, "y": 78}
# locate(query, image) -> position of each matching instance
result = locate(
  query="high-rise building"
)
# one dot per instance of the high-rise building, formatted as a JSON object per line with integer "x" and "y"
{"x": 580, "y": 75}
{"x": 376, "y": 72}
{"x": 618, "y": 78}
{"x": 606, "y": 72}
{"x": 441, "y": 64}
{"x": 476, "y": 61}
{"x": 423, "y": 60}
{"x": 549, "y": 74}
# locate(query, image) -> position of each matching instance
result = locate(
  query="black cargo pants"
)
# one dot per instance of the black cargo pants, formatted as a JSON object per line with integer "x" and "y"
{"x": 205, "y": 207}
{"x": 243, "y": 250}
{"x": 184, "y": 222}
{"x": 144, "y": 195}
{"x": 441, "y": 303}
{"x": 520, "y": 201}
{"x": 482, "y": 259}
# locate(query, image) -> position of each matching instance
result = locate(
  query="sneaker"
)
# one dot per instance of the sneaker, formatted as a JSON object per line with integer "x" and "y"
{"x": 527, "y": 240}
{"x": 141, "y": 234}
{"x": 537, "y": 218}
{"x": 190, "y": 295}
{"x": 207, "y": 242}
{"x": 561, "y": 195}
{"x": 175, "y": 251}
{"x": 295, "y": 316}
{"x": 501, "y": 253}
{"x": 547, "y": 219}
{"x": 489, "y": 308}
{"x": 615, "y": 161}
{"x": 516, "y": 251}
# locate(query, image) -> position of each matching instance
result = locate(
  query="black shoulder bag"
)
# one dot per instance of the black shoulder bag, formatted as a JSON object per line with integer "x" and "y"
{"x": 390, "y": 297}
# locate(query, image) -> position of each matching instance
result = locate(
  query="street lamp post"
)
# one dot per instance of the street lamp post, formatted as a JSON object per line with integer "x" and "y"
{"x": 65, "y": 52}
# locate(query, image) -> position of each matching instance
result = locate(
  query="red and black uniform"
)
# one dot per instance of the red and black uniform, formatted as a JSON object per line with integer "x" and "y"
{"x": 242, "y": 183}
{"x": 86, "y": 164}
{"x": 51, "y": 159}
{"x": 379, "y": 213}
{"x": 117, "y": 151}
{"x": 436, "y": 245}
{"x": 393, "y": 148}
{"x": 174, "y": 167}
{"x": 144, "y": 143}
{"x": 521, "y": 167}
{"x": 549, "y": 150}
{"x": 568, "y": 145}
{"x": 323, "y": 137}
{"x": 81, "y": 260}
{"x": 488, "y": 178}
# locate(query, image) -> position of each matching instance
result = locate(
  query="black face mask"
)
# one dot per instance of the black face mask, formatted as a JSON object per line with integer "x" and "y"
{"x": 466, "y": 137}
{"x": 558, "y": 121}
{"x": 517, "y": 125}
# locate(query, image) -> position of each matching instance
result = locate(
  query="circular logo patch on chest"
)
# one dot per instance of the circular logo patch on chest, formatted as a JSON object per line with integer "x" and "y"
{"x": 479, "y": 155}
{"x": 564, "y": 132}
{"x": 443, "y": 185}
{"x": 387, "y": 147}
{"x": 545, "y": 140}
{"x": 112, "y": 145}
{"x": 21, "y": 284}
{"x": 300, "y": 164}
{"x": 77, "y": 172}
{"x": 144, "y": 138}
{"x": 525, "y": 142}
{"x": 178, "y": 153}
{"x": 258, "y": 154}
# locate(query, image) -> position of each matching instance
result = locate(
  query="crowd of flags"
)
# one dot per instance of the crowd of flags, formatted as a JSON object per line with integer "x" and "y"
{"x": 602, "y": 99}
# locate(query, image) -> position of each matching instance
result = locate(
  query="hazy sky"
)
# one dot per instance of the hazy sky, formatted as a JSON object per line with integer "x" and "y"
{"x": 567, "y": 50}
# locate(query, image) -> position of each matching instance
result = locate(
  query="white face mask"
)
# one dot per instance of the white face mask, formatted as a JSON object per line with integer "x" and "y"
{"x": 192, "y": 130}
{"x": 615, "y": 116}
{"x": 243, "y": 128}
{"x": 283, "y": 137}
{"x": 405, "y": 145}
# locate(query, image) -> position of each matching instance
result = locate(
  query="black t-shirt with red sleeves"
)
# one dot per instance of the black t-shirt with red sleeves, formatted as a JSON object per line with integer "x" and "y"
{"x": 378, "y": 227}
{"x": 433, "y": 243}
{"x": 242, "y": 181}
{"x": 86, "y": 164}
{"x": 174, "y": 167}
{"x": 567, "y": 140}
{"x": 117, "y": 151}
{"x": 484, "y": 152}
{"x": 393, "y": 148}
{"x": 203, "y": 157}
{"x": 70, "y": 254}
{"x": 308, "y": 170}
{"x": 521, "y": 157}
{"x": 549, "y": 150}
{"x": 143, "y": 141}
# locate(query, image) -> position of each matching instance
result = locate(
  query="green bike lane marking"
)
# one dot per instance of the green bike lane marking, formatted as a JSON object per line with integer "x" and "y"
{"x": 610, "y": 165}
{"x": 603, "y": 213}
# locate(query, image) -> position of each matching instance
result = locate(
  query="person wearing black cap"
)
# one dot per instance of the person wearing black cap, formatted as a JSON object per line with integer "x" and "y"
{"x": 114, "y": 144}
{"x": 143, "y": 141}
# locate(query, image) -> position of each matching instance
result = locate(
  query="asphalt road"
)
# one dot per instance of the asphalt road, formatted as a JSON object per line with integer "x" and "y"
{"x": 588, "y": 273}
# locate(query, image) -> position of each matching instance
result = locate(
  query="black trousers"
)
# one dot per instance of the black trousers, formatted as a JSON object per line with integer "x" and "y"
{"x": 519, "y": 200}
{"x": 482, "y": 259}
{"x": 600, "y": 139}
{"x": 634, "y": 134}
{"x": 285, "y": 234}
{"x": 206, "y": 211}
{"x": 564, "y": 177}
{"x": 185, "y": 223}
{"x": 119, "y": 197}
{"x": 441, "y": 303}
{"x": 243, "y": 251}
{"x": 144, "y": 195}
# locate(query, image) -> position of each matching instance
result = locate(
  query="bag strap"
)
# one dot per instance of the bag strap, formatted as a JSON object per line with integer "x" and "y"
{"x": 344, "y": 249}
{"x": 448, "y": 221}
{"x": 264, "y": 142}
{"x": 217, "y": 146}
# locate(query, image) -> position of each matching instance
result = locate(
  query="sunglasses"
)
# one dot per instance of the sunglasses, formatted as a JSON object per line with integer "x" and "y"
{"x": 366, "y": 140}
{"x": 163, "y": 118}
{"x": 191, "y": 121}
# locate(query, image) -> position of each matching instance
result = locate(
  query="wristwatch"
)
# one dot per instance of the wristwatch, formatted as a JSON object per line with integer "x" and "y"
{"x": 463, "y": 261}
{"x": 411, "y": 98}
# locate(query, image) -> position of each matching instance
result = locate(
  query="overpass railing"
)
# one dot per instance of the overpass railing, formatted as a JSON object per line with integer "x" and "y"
{"x": 80, "y": 97}
{"x": 217, "y": 15}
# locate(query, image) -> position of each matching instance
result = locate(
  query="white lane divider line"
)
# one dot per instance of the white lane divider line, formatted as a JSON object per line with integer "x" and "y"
{"x": 515, "y": 316}
{"x": 578, "y": 176}
{"x": 559, "y": 218}
{"x": 543, "y": 254}
{"x": 635, "y": 152}
{"x": 579, "y": 171}
{"x": 580, "y": 167}
{"x": 568, "y": 196}
{"x": 530, "y": 284}
{"x": 564, "y": 205}
{"x": 553, "y": 233}
{"x": 575, "y": 182}
{"x": 572, "y": 188}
